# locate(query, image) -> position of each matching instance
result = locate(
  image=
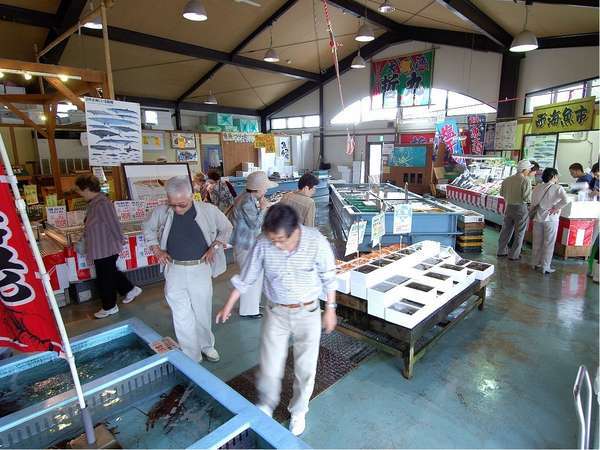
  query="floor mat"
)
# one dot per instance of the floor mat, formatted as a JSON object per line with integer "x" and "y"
{"x": 338, "y": 355}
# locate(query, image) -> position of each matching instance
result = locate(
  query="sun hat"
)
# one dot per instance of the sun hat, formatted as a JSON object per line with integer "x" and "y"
{"x": 523, "y": 165}
{"x": 258, "y": 181}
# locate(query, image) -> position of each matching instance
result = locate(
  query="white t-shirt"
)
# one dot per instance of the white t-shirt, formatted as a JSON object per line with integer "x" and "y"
{"x": 548, "y": 195}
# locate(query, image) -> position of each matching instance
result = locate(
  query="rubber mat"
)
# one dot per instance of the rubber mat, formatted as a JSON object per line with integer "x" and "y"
{"x": 338, "y": 355}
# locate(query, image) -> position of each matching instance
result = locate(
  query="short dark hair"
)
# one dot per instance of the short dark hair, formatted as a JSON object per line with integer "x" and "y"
{"x": 308, "y": 179}
{"x": 89, "y": 182}
{"x": 534, "y": 166}
{"x": 548, "y": 174}
{"x": 595, "y": 168}
{"x": 280, "y": 218}
{"x": 214, "y": 175}
{"x": 576, "y": 166}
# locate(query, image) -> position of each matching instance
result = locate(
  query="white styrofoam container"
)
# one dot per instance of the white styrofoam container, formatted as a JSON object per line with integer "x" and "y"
{"x": 482, "y": 270}
{"x": 417, "y": 291}
{"x": 343, "y": 282}
{"x": 380, "y": 296}
{"x": 405, "y": 318}
{"x": 430, "y": 248}
{"x": 459, "y": 273}
{"x": 440, "y": 281}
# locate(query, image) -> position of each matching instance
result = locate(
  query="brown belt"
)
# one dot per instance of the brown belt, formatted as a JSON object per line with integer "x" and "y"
{"x": 295, "y": 305}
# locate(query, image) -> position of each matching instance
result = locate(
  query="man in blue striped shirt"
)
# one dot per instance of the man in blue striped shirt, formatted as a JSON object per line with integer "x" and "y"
{"x": 298, "y": 266}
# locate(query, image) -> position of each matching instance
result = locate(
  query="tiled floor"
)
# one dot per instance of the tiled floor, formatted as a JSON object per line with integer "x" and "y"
{"x": 501, "y": 378}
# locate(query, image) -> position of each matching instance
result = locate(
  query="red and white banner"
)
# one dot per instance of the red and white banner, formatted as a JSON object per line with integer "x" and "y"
{"x": 26, "y": 322}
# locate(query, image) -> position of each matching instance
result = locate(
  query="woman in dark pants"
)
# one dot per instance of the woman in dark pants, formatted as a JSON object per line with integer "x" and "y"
{"x": 103, "y": 242}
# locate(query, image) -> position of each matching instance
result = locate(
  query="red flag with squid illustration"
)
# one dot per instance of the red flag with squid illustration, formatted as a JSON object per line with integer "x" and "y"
{"x": 26, "y": 322}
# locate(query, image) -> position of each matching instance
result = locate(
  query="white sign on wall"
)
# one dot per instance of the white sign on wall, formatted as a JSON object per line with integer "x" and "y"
{"x": 505, "y": 135}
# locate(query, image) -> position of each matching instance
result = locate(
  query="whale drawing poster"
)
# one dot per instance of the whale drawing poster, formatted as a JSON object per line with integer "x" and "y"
{"x": 114, "y": 132}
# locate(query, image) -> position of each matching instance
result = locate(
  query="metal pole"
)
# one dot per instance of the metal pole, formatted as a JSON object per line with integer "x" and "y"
{"x": 45, "y": 277}
{"x": 584, "y": 417}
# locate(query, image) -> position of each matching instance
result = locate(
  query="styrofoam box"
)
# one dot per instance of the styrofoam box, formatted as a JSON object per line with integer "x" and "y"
{"x": 380, "y": 296}
{"x": 440, "y": 281}
{"x": 430, "y": 248}
{"x": 459, "y": 273}
{"x": 343, "y": 282}
{"x": 407, "y": 313}
{"x": 362, "y": 277}
{"x": 417, "y": 291}
{"x": 247, "y": 166}
{"x": 482, "y": 270}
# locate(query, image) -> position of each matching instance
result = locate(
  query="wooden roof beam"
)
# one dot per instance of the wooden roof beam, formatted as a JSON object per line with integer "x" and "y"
{"x": 24, "y": 117}
{"x": 92, "y": 76}
{"x": 66, "y": 92}
{"x": 67, "y": 15}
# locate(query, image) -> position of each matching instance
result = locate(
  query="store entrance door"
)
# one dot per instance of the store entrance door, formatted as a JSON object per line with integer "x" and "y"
{"x": 374, "y": 161}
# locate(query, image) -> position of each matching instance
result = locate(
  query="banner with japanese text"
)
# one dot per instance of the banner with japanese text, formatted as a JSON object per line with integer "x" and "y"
{"x": 402, "y": 81}
{"x": 448, "y": 134}
{"x": 26, "y": 322}
{"x": 476, "y": 128}
{"x": 416, "y": 138}
{"x": 574, "y": 115}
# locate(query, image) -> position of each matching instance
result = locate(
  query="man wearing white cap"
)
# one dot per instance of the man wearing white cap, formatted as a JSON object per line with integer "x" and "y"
{"x": 247, "y": 217}
{"x": 516, "y": 191}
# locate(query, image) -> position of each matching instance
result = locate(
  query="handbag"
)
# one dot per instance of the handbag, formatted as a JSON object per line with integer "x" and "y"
{"x": 533, "y": 210}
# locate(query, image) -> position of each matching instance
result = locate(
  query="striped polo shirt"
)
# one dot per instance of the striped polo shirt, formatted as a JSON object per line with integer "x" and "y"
{"x": 103, "y": 235}
{"x": 292, "y": 277}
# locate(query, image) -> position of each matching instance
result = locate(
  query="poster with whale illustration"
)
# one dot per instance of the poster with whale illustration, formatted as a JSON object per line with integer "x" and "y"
{"x": 114, "y": 132}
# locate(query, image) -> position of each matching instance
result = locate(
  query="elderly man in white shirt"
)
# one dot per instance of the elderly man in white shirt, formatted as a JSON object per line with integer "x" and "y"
{"x": 547, "y": 199}
{"x": 298, "y": 266}
{"x": 188, "y": 238}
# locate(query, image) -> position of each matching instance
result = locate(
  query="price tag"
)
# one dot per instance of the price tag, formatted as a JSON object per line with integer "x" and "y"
{"x": 57, "y": 216}
{"x": 402, "y": 219}
{"x": 377, "y": 228}
{"x": 353, "y": 239}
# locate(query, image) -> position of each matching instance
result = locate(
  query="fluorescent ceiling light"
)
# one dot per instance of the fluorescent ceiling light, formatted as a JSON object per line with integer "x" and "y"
{"x": 525, "y": 41}
{"x": 195, "y": 11}
{"x": 385, "y": 7}
{"x": 271, "y": 56}
{"x": 211, "y": 100}
{"x": 358, "y": 62}
{"x": 365, "y": 33}
{"x": 94, "y": 24}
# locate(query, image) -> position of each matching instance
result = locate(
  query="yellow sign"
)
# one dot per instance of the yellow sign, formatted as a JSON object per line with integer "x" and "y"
{"x": 266, "y": 141}
{"x": 51, "y": 200}
{"x": 574, "y": 115}
{"x": 30, "y": 194}
{"x": 77, "y": 204}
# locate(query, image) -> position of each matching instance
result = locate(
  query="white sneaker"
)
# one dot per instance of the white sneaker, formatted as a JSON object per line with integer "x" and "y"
{"x": 549, "y": 270}
{"x": 266, "y": 409}
{"x": 105, "y": 313}
{"x": 132, "y": 294}
{"x": 211, "y": 355}
{"x": 298, "y": 424}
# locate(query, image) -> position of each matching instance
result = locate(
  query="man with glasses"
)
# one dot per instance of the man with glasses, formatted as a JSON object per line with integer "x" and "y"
{"x": 301, "y": 200}
{"x": 188, "y": 238}
{"x": 298, "y": 266}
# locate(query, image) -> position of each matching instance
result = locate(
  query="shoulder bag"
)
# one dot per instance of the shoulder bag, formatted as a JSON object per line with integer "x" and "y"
{"x": 533, "y": 210}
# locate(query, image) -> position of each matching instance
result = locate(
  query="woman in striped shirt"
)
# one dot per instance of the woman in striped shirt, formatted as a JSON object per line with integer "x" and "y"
{"x": 103, "y": 242}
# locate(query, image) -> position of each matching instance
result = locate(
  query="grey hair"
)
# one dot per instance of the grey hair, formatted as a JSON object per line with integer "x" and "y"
{"x": 178, "y": 185}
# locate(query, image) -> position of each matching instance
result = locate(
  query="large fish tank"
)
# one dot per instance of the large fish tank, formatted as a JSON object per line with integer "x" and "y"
{"x": 146, "y": 400}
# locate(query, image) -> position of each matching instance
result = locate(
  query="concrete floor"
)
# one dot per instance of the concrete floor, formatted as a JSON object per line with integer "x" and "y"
{"x": 502, "y": 378}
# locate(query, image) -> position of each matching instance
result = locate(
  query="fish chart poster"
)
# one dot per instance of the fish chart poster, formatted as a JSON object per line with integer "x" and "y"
{"x": 114, "y": 130}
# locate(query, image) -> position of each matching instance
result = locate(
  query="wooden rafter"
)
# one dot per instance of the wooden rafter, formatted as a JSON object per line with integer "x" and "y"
{"x": 24, "y": 117}
{"x": 64, "y": 90}
{"x": 93, "y": 76}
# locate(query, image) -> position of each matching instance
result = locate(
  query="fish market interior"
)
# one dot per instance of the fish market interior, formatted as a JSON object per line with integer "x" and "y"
{"x": 299, "y": 224}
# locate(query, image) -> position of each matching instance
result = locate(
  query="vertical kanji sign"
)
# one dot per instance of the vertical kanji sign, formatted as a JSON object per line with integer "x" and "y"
{"x": 26, "y": 322}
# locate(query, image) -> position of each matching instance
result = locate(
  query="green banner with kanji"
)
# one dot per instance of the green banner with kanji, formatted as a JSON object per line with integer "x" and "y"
{"x": 402, "y": 81}
{"x": 574, "y": 115}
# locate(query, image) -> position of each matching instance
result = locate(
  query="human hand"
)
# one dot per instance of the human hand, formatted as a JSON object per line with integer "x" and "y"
{"x": 554, "y": 210}
{"x": 162, "y": 256}
{"x": 224, "y": 314}
{"x": 263, "y": 203}
{"x": 329, "y": 320}
{"x": 209, "y": 256}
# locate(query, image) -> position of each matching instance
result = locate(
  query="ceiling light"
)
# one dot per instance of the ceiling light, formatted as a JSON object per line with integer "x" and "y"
{"x": 271, "y": 56}
{"x": 358, "y": 62}
{"x": 385, "y": 7}
{"x": 195, "y": 11}
{"x": 365, "y": 33}
{"x": 525, "y": 41}
{"x": 1, "y": 74}
{"x": 94, "y": 24}
{"x": 211, "y": 100}
{"x": 27, "y": 75}
{"x": 63, "y": 78}
{"x": 42, "y": 117}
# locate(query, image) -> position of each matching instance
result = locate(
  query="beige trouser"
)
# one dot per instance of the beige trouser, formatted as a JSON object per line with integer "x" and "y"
{"x": 303, "y": 325}
{"x": 249, "y": 300}
{"x": 516, "y": 218}
{"x": 188, "y": 290}
{"x": 544, "y": 238}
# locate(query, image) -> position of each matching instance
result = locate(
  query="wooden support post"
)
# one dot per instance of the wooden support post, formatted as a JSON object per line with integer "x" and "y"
{"x": 111, "y": 88}
{"x": 50, "y": 112}
{"x": 13, "y": 143}
{"x": 64, "y": 90}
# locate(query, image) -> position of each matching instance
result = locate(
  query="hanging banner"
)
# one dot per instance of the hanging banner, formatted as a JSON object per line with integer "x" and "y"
{"x": 402, "y": 218}
{"x": 266, "y": 141}
{"x": 284, "y": 149}
{"x": 574, "y": 115}
{"x": 30, "y": 194}
{"x": 249, "y": 126}
{"x": 239, "y": 138}
{"x": 114, "y": 130}
{"x": 26, "y": 323}
{"x": 504, "y": 138}
{"x": 490, "y": 136}
{"x": 476, "y": 128}
{"x": 448, "y": 134}
{"x": 402, "y": 81}
{"x": 377, "y": 228}
{"x": 416, "y": 138}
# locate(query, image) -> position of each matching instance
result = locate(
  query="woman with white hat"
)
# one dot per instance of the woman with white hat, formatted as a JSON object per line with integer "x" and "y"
{"x": 247, "y": 217}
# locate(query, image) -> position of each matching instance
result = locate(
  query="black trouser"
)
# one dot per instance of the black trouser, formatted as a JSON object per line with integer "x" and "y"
{"x": 110, "y": 280}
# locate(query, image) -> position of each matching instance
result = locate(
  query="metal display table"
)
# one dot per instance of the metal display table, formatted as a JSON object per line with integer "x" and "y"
{"x": 287, "y": 184}
{"x": 411, "y": 343}
{"x": 431, "y": 220}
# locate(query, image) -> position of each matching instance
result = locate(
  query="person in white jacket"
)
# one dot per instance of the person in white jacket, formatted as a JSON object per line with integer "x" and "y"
{"x": 548, "y": 198}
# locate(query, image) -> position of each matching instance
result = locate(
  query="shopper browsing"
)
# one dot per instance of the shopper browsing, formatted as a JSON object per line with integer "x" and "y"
{"x": 247, "y": 216}
{"x": 516, "y": 191}
{"x": 104, "y": 240}
{"x": 188, "y": 238}
{"x": 301, "y": 200}
{"x": 547, "y": 200}
{"x": 577, "y": 172}
{"x": 298, "y": 265}
{"x": 220, "y": 192}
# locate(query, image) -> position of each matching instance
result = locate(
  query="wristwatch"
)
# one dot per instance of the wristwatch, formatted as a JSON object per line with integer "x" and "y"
{"x": 331, "y": 305}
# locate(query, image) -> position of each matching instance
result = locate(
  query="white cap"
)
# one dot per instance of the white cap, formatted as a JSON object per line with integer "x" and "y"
{"x": 523, "y": 165}
{"x": 258, "y": 181}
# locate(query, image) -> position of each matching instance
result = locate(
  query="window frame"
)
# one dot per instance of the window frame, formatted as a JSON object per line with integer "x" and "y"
{"x": 302, "y": 116}
{"x": 553, "y": 91}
